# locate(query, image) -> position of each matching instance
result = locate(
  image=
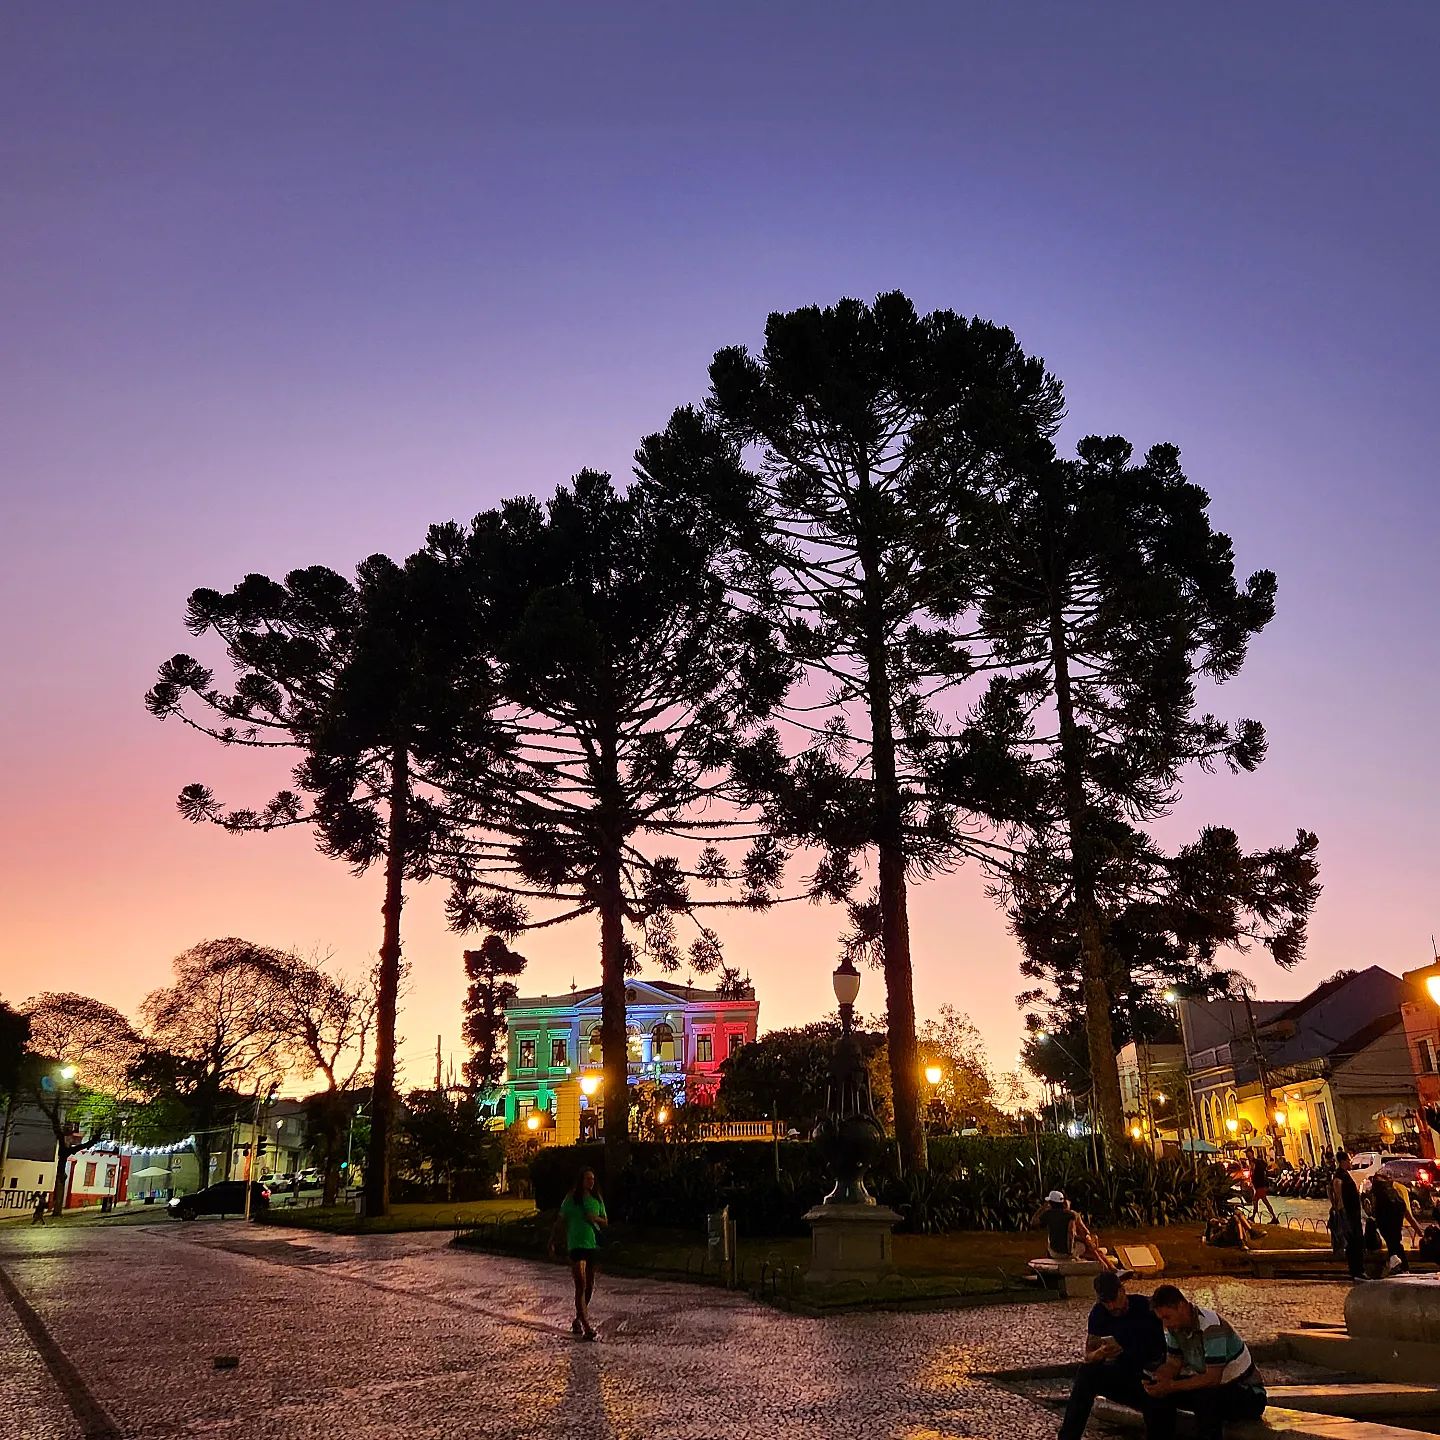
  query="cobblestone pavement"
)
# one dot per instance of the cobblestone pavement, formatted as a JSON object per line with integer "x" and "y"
{"x": 401, "y": 1337}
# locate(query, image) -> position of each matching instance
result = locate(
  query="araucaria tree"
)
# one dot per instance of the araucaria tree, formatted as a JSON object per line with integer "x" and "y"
{"x": 629, "y": 681}
{"x": 491, "y": 971}
{"x": 838, "y": 539}
{"x": 370, "y": 687}
{"x": 1108, "y": 596}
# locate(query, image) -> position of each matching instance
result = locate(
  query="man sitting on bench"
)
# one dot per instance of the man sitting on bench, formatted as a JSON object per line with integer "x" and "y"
{"x": 1207, "y": 1370}
{"x": 1124, "y": 1341}
{"x": 1067, "y": 1237}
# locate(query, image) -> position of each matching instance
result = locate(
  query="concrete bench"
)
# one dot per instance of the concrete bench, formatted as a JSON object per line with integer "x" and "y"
{"x": 1062, "y": 1275}
{"x": 1268, "y": 1263}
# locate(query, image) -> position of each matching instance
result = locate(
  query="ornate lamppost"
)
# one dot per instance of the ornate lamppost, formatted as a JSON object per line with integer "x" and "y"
{"x": 850, "y": 1233}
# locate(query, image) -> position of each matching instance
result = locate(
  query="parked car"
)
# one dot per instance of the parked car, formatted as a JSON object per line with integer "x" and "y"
{"x": 225, "y": 1197}
{"x": 1364, "y": 1164}
{"x": 1418, "y": 1176}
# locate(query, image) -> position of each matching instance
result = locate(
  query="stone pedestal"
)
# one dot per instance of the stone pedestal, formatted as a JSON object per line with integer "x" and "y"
{"x": 1405, "y": 1307}
{"x": 850, "y": 1242}
{"x": 1392, "y": 1332}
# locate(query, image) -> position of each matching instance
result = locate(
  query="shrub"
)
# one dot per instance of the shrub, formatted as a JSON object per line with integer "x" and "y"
{"x": 974, "y": 1183}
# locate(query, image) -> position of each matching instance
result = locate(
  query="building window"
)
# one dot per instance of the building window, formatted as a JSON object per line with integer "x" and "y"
{"x": 662, "y": 1042}
{"x": 734, "y": 1041}
{"x": 559, "y": 1054}
{"x": 109, "y": 1177}
{"x": 704, "y": 1049}
{"x": 1429, "y": 1058}
{"x": 597, "y": 1054}
{"x": 633, "y": 1051}
{"x": 524, "y": 1106}
{"x": 89, "y": 1174}
{"x": 527, "y": 1053}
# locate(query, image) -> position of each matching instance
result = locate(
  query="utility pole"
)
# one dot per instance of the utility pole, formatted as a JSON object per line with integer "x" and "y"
{"x": 437, "y": 1065}
{"x": 1270, "y": 1126}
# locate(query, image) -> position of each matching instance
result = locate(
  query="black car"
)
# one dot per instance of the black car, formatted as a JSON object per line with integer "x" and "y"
{"x": 225, "y": 1197}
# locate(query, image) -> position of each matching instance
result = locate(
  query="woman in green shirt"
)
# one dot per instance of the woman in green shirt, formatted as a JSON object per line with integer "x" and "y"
{"x": 582, "y": 1213}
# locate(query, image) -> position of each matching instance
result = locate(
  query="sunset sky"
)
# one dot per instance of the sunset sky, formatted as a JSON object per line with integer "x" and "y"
{"x": 282, "y": 284}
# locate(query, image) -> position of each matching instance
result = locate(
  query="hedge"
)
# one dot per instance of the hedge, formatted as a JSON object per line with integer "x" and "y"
{"x": 974, "y": 1183}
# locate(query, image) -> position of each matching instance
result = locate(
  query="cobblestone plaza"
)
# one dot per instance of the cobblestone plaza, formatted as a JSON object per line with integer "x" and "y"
{"x": 114, "y": 1331}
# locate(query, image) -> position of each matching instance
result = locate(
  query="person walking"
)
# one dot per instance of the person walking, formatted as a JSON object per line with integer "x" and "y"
{"x": 1260, "y": 1188}
{"x": 1208, "y": 1370}
{"x": 581, "y": 1218}
{"x": 1346, "y": 1215}
{"x": 1123, "y": 1340}
{"x": 1390, "y": 1205}
{"x": 38, "y": 1218}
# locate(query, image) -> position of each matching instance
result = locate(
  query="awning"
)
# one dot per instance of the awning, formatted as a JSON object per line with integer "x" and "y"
{"x": 1196, "y": 1146}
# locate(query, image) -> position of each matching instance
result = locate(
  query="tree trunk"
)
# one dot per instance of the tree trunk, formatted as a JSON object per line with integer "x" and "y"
{"x": 382, "y": 1111}
{"x": 890, "y": 845}
{"x": 614, "y": 1048}
{"x": 1094, "y": 967}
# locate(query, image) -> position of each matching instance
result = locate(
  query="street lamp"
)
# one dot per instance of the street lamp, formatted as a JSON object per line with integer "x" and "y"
{"x": 1432, "y": 984}
{"x": 933, "y": 1074}
{"x": 532, "y": 1122}
{"x": 589, "y": 1084}
{"x": 68, "y": 1072}
{"x": 846, "y": 980}
{"x": 849, "y": 1137}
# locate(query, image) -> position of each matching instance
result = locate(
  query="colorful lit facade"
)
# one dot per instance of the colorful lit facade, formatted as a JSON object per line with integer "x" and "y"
{"x": 676, "y": 1036}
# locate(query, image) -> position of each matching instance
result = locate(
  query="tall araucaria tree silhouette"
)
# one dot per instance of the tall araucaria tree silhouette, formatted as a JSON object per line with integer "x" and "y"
{"x": 372, "y": 686}
{"x": 629, "y": 681}
{"x": 1109, "y": 595}
{"x": 838, "y": 540}
{"x": 1168, "y": 920}
{"x": 490, "y": 971}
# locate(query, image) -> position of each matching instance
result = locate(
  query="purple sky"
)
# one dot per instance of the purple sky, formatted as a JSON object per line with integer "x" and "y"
{"x": 282, "y": 284}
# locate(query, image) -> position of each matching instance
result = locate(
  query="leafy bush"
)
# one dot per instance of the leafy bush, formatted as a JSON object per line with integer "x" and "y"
{"x": 974, "y": 1183}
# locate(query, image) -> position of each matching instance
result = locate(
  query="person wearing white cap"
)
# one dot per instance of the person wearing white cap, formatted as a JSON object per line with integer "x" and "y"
{"x": 1067, "y": 1236}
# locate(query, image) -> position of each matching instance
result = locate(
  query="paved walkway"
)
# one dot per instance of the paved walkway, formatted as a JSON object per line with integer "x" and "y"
{"x": 399, "y": 1337}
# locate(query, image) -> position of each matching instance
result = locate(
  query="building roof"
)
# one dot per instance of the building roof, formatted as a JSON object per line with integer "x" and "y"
{"x": 669, "y": 990}
{"x": 1366, "y": 1036}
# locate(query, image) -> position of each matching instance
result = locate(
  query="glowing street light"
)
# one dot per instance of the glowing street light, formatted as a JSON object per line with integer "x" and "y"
{"x": 589, "y": 1084}
{"x": 532, "y": 1122}
{"x": 68, "y": 1072}
{"x": 662, "y": 1116}
{"x": 1281, "y": 1118}
{"x": 1232, "y": 1125}
{"x": 1432, "y": 984}
{"x": 933, "y": 1074}
{"x": 1135, "y": 1132}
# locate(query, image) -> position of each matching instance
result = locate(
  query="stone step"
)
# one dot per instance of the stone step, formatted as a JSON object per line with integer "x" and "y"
{"x": 1277, "y": 1420}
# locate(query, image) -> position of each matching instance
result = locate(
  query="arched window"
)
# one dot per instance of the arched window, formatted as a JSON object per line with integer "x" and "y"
{"x": 662, "y": 1042}
{"x": 633, "y": 1051}
{"x": 597, "y": 1054}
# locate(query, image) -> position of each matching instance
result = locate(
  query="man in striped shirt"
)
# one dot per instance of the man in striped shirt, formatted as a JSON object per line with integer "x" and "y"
{"x": 1207, "y": 1369}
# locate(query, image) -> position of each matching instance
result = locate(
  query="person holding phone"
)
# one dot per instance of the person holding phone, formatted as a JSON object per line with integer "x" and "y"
{"x": 1208, "y": 1370}
{"x": 1123, "y": 1339}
